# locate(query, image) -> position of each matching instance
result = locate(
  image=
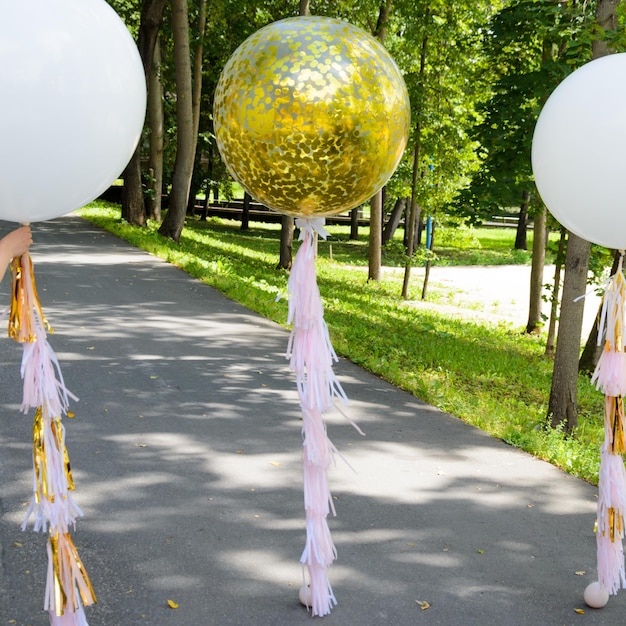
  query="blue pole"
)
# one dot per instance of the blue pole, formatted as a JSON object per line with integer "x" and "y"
{"x": 429, "y": 232}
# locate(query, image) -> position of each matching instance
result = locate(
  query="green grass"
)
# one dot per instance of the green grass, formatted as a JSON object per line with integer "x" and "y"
{"x": 492, "y": 376}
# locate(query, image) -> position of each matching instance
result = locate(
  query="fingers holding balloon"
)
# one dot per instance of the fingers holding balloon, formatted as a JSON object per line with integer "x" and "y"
{"x": 14, "y": 245}
{"x": 19, "y": 241}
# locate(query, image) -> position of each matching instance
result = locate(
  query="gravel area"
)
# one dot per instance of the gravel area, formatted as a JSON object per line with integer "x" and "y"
{"x": 495, "y": 293}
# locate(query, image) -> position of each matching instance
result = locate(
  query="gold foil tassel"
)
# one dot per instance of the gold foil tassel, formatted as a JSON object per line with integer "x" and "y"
{"x": 40, "y": 464}
{"x": 68, "y": 571}
{"x": 616, "y": 524}
{"x": 614, "y": 411}
{"x": 57, "y": 430}
{"x": 21, "y": 323}
{"x": 41, "y": 455}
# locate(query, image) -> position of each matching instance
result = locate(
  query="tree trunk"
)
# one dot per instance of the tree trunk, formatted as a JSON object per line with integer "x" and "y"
{"x": 354, "y": 224}
{"x": 376, "y": 203}
{"x": 155, "y": 116}
{"x": 592, "y": 351}
{"x": 414, "y": 212}
{"x": 384, "y": 13}
{"x": 245, "y": 214}
{"x": 286, "y": 242}
{"x": 287, "y": 222}
{"x": 554, "y": 300}
{"x": 563, "y": 407}
{"x": 196, "y": 99}
{"x": 536, "y": 273}
{"x": 375, "y": 238}
{"x": 133, "y": 209}
{"x": 197, "y": 73}
{"x": 394, "y": 219}
{"x": 174, "y": 221}
{"x": 429, "y": 246}
{"x": 606, "y": 16}
{"x": 412, "y": 217}
{"x": 521, "y": 236}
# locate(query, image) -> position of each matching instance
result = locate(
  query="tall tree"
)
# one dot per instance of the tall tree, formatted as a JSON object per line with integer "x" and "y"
{"x": 376, "y": 203}
{"x": 591, "y": 352}
{"x": 196, "y": 99}
{"x": 559, "y": 261}
{"x": 157, "y": 131}
{"x": 524, "y": 45}
{"x": 133, "y": 209}
{"x": 285, "y": 256}
{"x": 536, "y": 271}
{"x": 173, "y": 223}
{"x": 563, "y": 403}
{"x": 413, "y": 213}
{"x": 440, "y": 53}
{"x": 529, "y": 48}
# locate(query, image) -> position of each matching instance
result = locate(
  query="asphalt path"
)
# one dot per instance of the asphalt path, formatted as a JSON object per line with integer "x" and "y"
{"x": 186, "y": 452}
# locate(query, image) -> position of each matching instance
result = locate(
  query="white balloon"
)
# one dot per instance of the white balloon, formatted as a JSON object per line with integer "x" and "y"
{"x": 579, "y": 152}
{"x": 304, "y": 595}
{"x": 72, "y": 104}
{"x": 595, "y": 595}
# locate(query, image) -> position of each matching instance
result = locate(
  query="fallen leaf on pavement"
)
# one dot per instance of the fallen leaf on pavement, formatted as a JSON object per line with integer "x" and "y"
{"x": 423, "y": 604}
{"x": 172, "y": 604}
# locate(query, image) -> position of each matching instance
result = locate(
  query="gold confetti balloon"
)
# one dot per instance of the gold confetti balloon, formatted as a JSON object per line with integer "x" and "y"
{"x": 311, "y": 116}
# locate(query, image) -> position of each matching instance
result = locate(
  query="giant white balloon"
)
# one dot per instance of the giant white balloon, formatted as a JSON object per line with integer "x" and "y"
{"x": 72, "y": 104}
{"x": 579, "y": 152}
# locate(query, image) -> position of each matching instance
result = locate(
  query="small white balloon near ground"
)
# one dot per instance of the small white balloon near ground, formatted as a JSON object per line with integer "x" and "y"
{"x": 595, "y": 595}
{"x": 304, "y": 595}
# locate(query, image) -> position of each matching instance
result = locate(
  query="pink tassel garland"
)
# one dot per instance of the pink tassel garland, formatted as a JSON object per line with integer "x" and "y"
{"x": 610, "y": 378}
{"x": 610, "y": 372}
{"x": 311, "y": 358}
{"x": 610, "y": 531}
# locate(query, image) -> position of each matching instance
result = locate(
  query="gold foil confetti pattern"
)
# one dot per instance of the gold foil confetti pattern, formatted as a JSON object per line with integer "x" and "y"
{"x": 311, "y": 116}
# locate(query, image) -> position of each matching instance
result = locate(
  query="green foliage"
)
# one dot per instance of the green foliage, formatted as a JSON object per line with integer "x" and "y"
{"x": 530, "y": 46}
{"x": 437, "y": 46}
{"x": 464, "y": 367}
{"x": 458, "y": 235}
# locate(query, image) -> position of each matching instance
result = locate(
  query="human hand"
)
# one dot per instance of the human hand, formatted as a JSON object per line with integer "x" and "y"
{"x": 17, "y": 242}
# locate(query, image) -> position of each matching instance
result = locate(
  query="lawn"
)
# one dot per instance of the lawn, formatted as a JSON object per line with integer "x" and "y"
{"x": 492, "y": 376}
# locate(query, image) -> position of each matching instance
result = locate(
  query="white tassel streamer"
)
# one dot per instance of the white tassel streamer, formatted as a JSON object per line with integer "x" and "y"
{"x": 610, "y": 378}
{"x": 610, "y": 531}
{"x": 311, "y": 358}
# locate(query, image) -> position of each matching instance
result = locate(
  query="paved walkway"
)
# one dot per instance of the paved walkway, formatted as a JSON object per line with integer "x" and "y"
{"x": 186, "y": 453}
